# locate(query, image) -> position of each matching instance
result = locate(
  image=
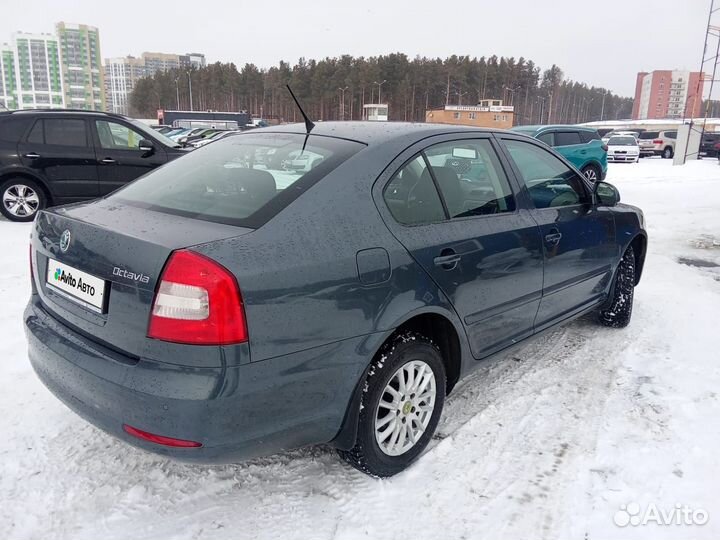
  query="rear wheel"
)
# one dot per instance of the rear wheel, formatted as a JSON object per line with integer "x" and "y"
{"x": 21, "y": 199}
{"x": 400, "y": 407}
{"x": 618, "y": 313}
{"x": 592, "y": 173}
{"x": 667, "y": 153}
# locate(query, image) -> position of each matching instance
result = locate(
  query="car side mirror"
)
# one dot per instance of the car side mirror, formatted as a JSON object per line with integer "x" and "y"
{"x": 145, "y": 146}
{"x": 606, "y": 194}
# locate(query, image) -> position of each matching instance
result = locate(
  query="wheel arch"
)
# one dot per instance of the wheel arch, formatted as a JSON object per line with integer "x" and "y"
{"x": 432, "y": 322}
{"x": 639, "y": 245}
{"x": 8, "y": 174}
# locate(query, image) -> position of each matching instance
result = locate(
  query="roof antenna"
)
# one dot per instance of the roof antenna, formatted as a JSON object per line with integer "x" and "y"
{"x": 308, "y": 123}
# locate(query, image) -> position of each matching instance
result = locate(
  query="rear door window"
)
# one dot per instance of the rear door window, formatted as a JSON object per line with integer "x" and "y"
{"x": 411, "y": 195}
{"x": 649, "y": 135}
{"x": 65, "y": 132}
{"x": 587, "y": 136}
{"x": 470, "y": 178}
{"x": 243, "y": 180}
{"x": 567, "y": 138}
{"x": 671, "y": 134}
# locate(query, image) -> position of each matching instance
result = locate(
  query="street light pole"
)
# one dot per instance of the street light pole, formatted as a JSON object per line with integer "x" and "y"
{"x": 379, "y": 89}
{"x": 602, "y": 107}
{"x": 342, "y": 106}
{"x": 177, "y": 92}
{"x": 190, "y": 85}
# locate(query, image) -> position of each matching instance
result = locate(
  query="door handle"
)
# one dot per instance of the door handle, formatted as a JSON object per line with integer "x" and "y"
{"x": 108, "y": 160}
{"x": 553, "y": 238}
{"x": 32, "y": 155}
{"x": 447, "y": 260}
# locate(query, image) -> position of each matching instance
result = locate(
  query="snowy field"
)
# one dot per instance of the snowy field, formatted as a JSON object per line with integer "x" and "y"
{"x": 547, "y": 443}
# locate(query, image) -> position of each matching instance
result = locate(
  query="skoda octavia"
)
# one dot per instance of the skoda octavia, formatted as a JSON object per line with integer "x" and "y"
{"x": 228, "y": 305}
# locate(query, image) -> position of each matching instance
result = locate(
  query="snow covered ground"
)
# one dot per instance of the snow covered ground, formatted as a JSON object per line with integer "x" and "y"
{"x": 546, "y": 443}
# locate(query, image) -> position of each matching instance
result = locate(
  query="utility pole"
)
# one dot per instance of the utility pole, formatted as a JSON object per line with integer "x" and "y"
{"x": 190, "y": 85}
{"x": 177, "y": 92}
{"x": 379, "y": 85}
{"x": 342, "y": 105}
{"x": 602, "y": 107}
{"x": 460, "y": 95}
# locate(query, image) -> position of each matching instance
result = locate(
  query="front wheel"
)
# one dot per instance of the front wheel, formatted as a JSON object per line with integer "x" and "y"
{"x": 21, "y": 199}
{"x": 592, "y": 173}
{"x": 400, "y": 407}
{"x": 618, "y": 313}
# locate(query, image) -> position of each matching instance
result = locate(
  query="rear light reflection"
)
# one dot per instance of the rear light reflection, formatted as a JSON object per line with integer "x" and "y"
{"x": 159, "y": 439}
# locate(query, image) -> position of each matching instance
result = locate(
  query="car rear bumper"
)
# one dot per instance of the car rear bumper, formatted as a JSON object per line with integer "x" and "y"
{"x": 236, "y": 412}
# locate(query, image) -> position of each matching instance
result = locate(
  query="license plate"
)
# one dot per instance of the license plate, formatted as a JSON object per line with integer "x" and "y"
{"x": 77, "y": 285}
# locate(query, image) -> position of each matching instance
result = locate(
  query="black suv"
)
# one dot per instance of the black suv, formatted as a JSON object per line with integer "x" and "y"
{"x": 51, "y": 157}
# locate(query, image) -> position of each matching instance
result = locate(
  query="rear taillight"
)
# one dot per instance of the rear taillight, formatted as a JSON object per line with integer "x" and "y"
{"x": 197, "y": 302}
{"x": 657, "y": 141}
{"x": 605, "y": 147}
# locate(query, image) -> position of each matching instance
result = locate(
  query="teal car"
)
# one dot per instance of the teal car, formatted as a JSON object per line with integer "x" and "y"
{"x": 581, "y": 146}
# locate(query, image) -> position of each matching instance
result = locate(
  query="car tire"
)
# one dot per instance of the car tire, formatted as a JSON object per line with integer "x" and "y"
{"x": 667, "y": 153}
{"x": 619, "y": 310}
{"x": 404, "y": 413}
{"x": 22, "y": 198}
{"x": 592, "y": 173}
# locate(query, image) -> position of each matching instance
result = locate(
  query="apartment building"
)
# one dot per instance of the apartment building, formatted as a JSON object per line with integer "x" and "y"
{"x": 30, "y": 74}
{"x": 123, "y": 73}
{"x": 81, "y": 63}
{"x": 667, "y": 94}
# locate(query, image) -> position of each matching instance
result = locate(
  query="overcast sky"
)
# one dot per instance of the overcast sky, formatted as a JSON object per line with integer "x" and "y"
{"x": 600, "y": 42}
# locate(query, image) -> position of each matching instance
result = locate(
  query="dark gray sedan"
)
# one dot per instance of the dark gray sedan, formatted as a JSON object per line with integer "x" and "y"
{"x": 229, "y": 305}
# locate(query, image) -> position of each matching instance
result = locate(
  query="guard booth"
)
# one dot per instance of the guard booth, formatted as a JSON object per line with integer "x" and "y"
{"x": 375, "y": 112}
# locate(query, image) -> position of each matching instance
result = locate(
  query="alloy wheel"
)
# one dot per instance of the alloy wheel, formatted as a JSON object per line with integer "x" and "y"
{"x": 590, "y": 174}
{"x": 21, "y": 200}
{"x": 405, "y": 408}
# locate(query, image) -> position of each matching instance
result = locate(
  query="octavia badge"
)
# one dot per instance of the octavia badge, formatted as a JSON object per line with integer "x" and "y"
{"x": 65, "y": 241}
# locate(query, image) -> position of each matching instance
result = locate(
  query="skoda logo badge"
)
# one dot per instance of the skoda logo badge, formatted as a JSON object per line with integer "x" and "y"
{"x": 65, "y": 241}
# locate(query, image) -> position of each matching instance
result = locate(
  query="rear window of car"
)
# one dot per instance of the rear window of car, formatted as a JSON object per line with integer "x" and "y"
{"x": 566, "y": 138}
{"x": 622, "y": 141}
{"x": 13, "y": 127}
{"x": 243, "y": 180}
{"x": 649, "y": 135}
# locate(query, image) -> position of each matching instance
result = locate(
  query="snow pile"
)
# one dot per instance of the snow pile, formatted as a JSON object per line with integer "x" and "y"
{"x": 579, "y": 428}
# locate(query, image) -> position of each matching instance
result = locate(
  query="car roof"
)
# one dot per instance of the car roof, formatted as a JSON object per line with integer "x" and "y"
{"x": 51, "y": 112}
{"x": 376, "y": 133}
{"x": 541, "y": 127}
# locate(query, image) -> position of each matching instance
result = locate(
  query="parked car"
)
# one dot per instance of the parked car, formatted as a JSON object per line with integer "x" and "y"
{"x": 216, "y": 136}
{"x": 581, "y": 146}
{"x": 227, "y": 312}
{"x": 633, "y": 133}
{"x": 302, "y": 161}
{"x": 50, "y": 157}
{"x": 623, "y": 149}
{"x": 708, "y": 145}
{"x": 657, "y": 143}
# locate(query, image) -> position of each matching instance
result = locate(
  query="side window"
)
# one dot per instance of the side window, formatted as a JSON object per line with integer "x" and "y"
{"x": 547, "y": 138}
{"x": 37, "y": 135}
{"x": 470, "y": 178}
{"x": 587, "y": 136}
{"x": 12, "y": 128}
{"x": 549, "y": 181}
{"x": 411, "y": 195}
{"x": 65, "y": 132}
{"x": 566, "y": 138}
{"x": 114, "y": 136}
{"x": 671, "y": 134}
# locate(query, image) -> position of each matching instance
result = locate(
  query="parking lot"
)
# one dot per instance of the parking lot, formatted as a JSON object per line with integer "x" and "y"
{"x": 548, "y": 442}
